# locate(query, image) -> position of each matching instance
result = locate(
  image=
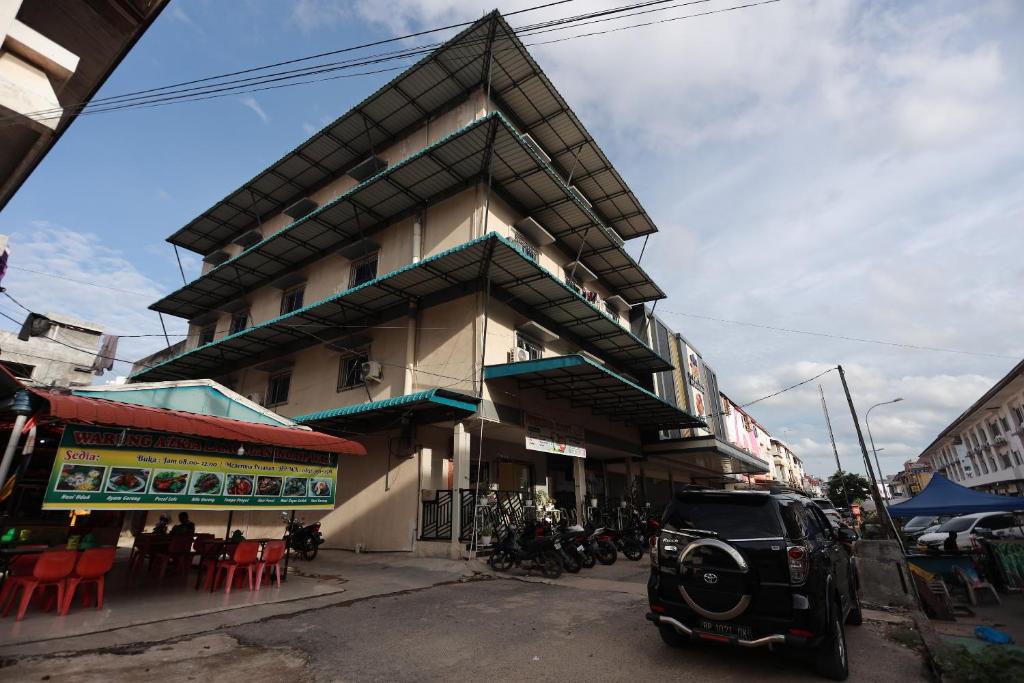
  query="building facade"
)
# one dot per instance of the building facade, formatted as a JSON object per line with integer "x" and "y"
{"x": 441, "y": 274}
{"x": 984, "y": 447}
{"x": 63, "y": 356}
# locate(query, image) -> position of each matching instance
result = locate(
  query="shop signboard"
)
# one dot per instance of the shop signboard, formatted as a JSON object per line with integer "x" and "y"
{"x": 99, "y": 468}
{"x": 696, "y": 389}
{"x": 548, "y": 436}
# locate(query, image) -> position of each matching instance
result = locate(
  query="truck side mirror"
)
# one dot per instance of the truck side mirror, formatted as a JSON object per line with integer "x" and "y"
{"x": 847, "y": 535}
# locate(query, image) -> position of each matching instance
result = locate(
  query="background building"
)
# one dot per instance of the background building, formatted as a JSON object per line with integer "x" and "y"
{"x": 983, "y": 447}
{"x": 62, "y": 357}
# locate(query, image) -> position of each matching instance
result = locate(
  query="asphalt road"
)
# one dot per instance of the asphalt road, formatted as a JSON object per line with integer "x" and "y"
{"x": 511, "y": 630}
{"x": 496, "y": 629}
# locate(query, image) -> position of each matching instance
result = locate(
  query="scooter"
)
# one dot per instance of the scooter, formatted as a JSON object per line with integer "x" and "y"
{"x": 532, "y": 550}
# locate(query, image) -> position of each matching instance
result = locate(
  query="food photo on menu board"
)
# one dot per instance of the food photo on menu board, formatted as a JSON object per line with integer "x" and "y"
{"x": 169, "y": 481}
{"x": 321, "y": 488}
{"x": 207, "y": 483}
{"x": 268, "y": 486}
{"x": 239, "y": 485}
{"x": 295, "y": 487}
{"x": 80, "y": 478}
{"x": 127, "y": 480}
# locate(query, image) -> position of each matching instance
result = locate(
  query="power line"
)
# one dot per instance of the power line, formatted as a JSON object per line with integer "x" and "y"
{"x": 228, "y": 88}
{"x": 789, "y": 388}
{"x": 913, "y": 347}
{"x": 80, "y": 282}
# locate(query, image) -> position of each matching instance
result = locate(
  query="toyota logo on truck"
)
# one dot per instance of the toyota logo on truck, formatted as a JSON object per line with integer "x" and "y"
{"x": 711, "y": 578}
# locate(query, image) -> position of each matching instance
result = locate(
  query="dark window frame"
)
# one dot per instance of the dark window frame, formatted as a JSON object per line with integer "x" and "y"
{"x": 292, "y": 298}
{"x": 207, "y": 333}
{"x": 354, "y": 276}
{"x": 274, "y": 383}
{"x": 240, "y": 317}
{"x": 349, "y": 369}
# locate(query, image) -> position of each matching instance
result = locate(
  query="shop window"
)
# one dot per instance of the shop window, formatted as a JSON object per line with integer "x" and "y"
{"x": 533, "y": 349}
{"x": 277, "y": 389}
{"x": 239, "y": 321}
{"x": 291, "y": 300}
{"x": 206, "y": 333}
{"x": 351, "y": 368}
{"x": 363, "y": 270}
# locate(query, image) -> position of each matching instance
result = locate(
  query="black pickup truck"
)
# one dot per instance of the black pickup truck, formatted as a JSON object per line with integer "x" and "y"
{"x": 754, "y": 569}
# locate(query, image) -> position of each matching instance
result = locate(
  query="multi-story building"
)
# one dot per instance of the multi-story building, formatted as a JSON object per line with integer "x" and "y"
{"x": 789, "y": 467}
{"x": 62, "y": 355}
{"x": 912, "y": 479}
{"x": 983, "y": 448}
{"x": 53, "y": 57}
{"x": 442, "y": 274}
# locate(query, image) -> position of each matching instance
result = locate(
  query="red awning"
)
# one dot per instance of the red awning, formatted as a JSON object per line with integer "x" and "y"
{"x": 113, "y": 414}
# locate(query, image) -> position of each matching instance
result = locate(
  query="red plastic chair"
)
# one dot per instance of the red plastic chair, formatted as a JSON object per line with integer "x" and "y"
{"x": 91, "y": 568}
{"x": 52, "y": 569}
{"x": 179, "y": 552}
{"x": 246, "y": 556}
{"x": 273, "y": 551}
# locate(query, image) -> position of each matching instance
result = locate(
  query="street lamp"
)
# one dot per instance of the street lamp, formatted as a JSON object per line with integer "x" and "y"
{"x": 867, "y": 421}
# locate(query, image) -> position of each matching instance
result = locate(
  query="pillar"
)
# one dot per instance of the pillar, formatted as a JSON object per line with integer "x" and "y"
{"x": 579, "y": 475}
{"x": 460, "y": 480}
{"x": 629, "y": 478}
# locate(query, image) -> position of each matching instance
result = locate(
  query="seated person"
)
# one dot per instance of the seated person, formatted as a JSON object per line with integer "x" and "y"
{"x": 950, "y": 545}
{"x": 161, "y": 525}
{"x": 184, "y": 525}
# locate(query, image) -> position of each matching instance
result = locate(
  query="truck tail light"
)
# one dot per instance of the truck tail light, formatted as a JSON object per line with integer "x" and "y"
{"x": 798, "y": 564}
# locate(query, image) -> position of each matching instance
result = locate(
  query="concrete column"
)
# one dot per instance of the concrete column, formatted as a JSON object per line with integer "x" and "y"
{"x": 629, "y": 477}
{"x": 460, "y": 480}
{"x": 579, "y": 475}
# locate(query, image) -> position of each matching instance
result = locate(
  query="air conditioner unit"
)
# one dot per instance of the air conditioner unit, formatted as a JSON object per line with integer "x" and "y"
{"x": 518, "y": 355}
{"x": 256, "y": 398}
{"x": 371, "y": 371}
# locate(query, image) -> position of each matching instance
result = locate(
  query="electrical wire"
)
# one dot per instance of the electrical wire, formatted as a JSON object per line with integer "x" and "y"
{"x": 913, "y": 347}
{"x": 246, "y": 85}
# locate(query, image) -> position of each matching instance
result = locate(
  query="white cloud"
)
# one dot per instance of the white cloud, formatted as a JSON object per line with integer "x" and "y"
{"x": 312, "y": 15}
{"x": 250, "y": 102}
{"x": 76, "y": 274}
{"x": 178, "y": 12}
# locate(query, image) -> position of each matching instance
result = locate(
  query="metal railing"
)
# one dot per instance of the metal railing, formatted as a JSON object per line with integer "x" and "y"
{"x": 436, "y": 521}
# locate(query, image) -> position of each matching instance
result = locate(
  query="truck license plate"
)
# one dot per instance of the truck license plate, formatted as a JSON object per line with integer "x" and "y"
{"x": 733, "y": 630}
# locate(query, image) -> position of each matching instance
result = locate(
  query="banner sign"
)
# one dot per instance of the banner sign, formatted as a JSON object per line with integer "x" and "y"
{"x": 547, "y": 436}
{"x": 100, "y": 468}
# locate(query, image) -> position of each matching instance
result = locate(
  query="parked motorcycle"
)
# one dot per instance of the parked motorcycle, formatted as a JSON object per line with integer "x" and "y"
{"x": 530, "y": 551}
{"x": 304, "y": 541}
{"x": 602, "y": 545}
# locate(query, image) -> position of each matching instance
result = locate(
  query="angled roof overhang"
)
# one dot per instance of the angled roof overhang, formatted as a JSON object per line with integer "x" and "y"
{"x": 436, "y": 83}
{"x": 423, "y": 407}
{"x": 452, "y": 164}
{"x": 586, "y": 384}
{"x": 738, "y": 461}
{"x": 514, "y": 279}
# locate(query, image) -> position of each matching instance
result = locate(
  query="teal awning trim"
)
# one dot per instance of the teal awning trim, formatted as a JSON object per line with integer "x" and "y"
{"x": 442, "y": 397}
{"x": 585, "y": 383}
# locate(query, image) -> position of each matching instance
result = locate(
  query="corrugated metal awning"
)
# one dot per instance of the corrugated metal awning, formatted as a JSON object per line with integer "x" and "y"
{"x": 98, "y": 411}
{"x": 587, "y": 384}
{"x": 449, "y": 165}
{"x": 515, "y": 279}
{"x": 422, "y": 407}
{"x": 439, "y": 81}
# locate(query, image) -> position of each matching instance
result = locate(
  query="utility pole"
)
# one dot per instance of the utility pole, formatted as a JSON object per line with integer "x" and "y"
{"x": 839, "y": 467}
{"x": 883, "y": 514}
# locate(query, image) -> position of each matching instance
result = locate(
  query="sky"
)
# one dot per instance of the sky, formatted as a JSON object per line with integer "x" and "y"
{"x": 848, "y": 168}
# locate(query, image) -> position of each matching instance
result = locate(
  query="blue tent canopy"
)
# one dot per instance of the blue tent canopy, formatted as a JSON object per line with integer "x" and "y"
{"x": 944, "y": 497}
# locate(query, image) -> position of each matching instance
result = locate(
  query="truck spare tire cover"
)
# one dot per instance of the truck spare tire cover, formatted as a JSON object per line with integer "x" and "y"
{"x": 714, "y": 579}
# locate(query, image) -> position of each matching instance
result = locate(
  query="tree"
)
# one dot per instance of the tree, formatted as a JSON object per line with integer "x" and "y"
{"x": 855, "y": 486}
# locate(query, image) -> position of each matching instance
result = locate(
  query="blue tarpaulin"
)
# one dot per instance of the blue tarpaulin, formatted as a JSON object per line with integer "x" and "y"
{"x": 944, "y": 497}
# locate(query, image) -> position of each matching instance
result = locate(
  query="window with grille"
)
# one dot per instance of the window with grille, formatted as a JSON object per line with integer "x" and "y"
{"x": 363, "y": 270}
{"x": 351, "y": 368}
{"x": 239, "y": 321}
{"x": 1004, "y": 423}
{"x": 533, "y": 348}
{"x": 277, "y": 388}
{"x": 291, "y": 300}
{"x": 526, "y": 244}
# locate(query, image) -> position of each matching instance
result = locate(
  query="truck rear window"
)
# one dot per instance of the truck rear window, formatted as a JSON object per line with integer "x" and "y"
{"x": 731, "y": 516}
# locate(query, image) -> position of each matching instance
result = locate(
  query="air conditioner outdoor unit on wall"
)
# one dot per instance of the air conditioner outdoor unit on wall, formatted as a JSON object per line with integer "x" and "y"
{"x": 371, "y": 371}
{"x": 516, "y": 355}
{"x": 256, "y": 398}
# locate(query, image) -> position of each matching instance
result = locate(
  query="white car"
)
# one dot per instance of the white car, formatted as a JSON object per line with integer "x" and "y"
{"x": 969, "y": 527}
